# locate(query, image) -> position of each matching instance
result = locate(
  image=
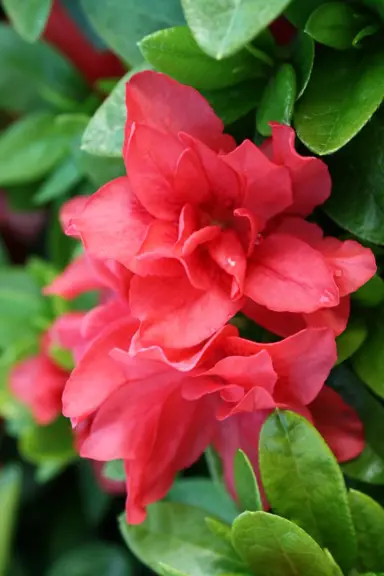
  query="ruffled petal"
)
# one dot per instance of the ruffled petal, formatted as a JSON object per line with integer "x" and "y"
{"x": 227, "y": 251}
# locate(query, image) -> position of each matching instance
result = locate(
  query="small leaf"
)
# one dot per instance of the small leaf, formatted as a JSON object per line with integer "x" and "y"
{"x": 273, "y": 546}
{"x": 10, "y": 488}
{"x": 372, "y": 293}
{"x": 298, "y": 11}
{"x": 344, "y": 91}
{"x": 368, "y": 362}
{"x": 366, "y": 32}
{"x": 175, "y": 52}
{"x": 176, "y": 535}
{"x": 29, "y": 18}
{"x": 303, "y": 482}
{"x": 303, "y": 55}
{"x": 368, "y": 517}
{"x": 214, "y": 465}
{"x": 368, "y": 467}
{"x": 246, "y": 483}
{"x": 335, "y": 24}
{"x": 99, "y": 559}
{"x": 122, "y": 24}
{"x": 223, "y": 27}
{"x": 114, "y": 470}
{"x": 204, "y": 494}
{"x": 59, "y": 182}
{"x": 351, "y": 339}
{"x": 278, "y": 100}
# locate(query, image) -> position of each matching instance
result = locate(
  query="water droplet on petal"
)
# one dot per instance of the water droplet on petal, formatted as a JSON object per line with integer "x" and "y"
{"x": 231, "y": 262}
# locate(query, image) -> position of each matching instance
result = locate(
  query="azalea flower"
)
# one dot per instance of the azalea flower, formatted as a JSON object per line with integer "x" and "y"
{"x": 209, "y": 229}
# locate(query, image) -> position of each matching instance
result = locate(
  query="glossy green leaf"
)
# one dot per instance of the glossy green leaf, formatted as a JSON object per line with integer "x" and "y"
{"x": 122, "y": 24}
{"x": 204, "y": 494}
{"x": 223, "y": 27}
{"x": 303, "y": 482}
{"x": 30, "y": 148}
{"x": 357, "y": 199}
{"x": 29, "y": 18}
{"x": 344, "y": 91}
{"x": 372, "y": 293}
{"x": 214, "y": 465}
{"x": 368, "y": 517}
{"x": 246, "y": 486}
{"x": 35, "y": 76}
{"x": 99, "y": 559}
{"x": 336, "y": 570}
{"x": 233, "y": 103}
{"x": 273, "y": 546}
{"x": 48, "y": 443}
{"x": 303, "y": 55}
{"x": 368, "y": 467}
{"x": 176, "y": 535}
{"x": 104, "y": 135}
{"x": 10, "y": 488}
{"x": 278, "y": 100}
{"x": 59, "y": 182}
{"x": 298, "y": 11}
{"x": 366, "y": 32}
{"x": 114, "y": 470}
{"x": 165, "y": 570}
{"x": 368, "y": 362}
{"x": 175, "y": 52}
{"x": 351, "y": 339}
{"x": 335, "y": 24}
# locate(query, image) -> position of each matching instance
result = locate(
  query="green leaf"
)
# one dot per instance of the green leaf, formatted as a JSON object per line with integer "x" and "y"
{"x": 357, "y": 199}
{"x": 95, "y": 501}
{"x": 104, "y": 135}
{"x": 204, "y": 494}
{"x": 59, "y": 182}
{"x": 299, "y": 11}
{"x": 30, "y": 148}
{"x": 368, "y": 362}
{"x": 223, "y": 27}
{"x": 101, "y": 169}
{"x": 365, "y": 32}
{"x": 246, "y": 483}
{"x": 344, "y": 91}
{"x": 10, "y": 488}
{"x": 376, "y": 5}
{"x": 368, "y": 517}
{"x": 122, "y": 24}
{"x": 219, "y": 529}
{"x": 114, "y": 470}
{"x": 372, "y": 293}
{"x": 175, "y": 52}
{"x": 351, "y": 339}
{"x": 176, "y": 535}
{"x": 214, "y": 465}
{"x": 278, "y": 100}
{"x": 273, "y": 546}
{"x": 98, "y": 559}
{"x": 336, "y": 570}
{"x": 34, "y": 76}
{"x": 29, "y": 18}
{"x": 233, "y": 103}
{"x": 303, "y": 482}
{"x": 368, "y": 467}
{"x": 303, "y": 55}
{"x": 53, "y": 442}
{"x": 335, "y": 24}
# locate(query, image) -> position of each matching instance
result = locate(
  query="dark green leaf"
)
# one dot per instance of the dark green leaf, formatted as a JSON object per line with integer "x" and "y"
{"x": 376, "y": 5}
{"x": 372, "y": 293}
{"x": 204, "y": 494}
{"x": 223, "y": 27}
{"x": 368, "y": 467}
{"x": 48, "y": 443}
{"x": 335, "y": 24}
{"x": 368, "y": 362}
{"x": 99, "y": 559}
{"x": 299, "y": 11}
{"x": 29, "y": 18}
{"x": 114, "y": 470}
{"x": 351, "y": 339}
{"x": 273, "y": 546}
{"x": 246, "y": 483}
{"x": 357, "y": 199}
{"x": 233, "y": 103}
{"x": 368, "y": 517}
{"x": 175, "y": 52}
{"x": 176, "y": 535}
{"x": 59, "y": 246}
{"x": 303, "y": 55}
{"x": 59, "y": 182}
{"x": 303, "y": 482}
{"x": 122, "y": 24}
{"x": 366, "y": 32}
{"x": 33, "y": 76}
{"x": 10, "y": 488}
{"x": 95, "y": 501}
{"x": 278, "y": 100}
{"x": 344, "y": 91}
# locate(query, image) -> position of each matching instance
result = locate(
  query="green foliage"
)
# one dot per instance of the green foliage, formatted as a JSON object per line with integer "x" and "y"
{"x": 351, "y": 339}
{"x": 246, "y": 483}
{"x": 114, "y": 470}
{"x": 369, "y": 524}
{"x": 368, "y": 362}
{"x": 10, "y": 487}
{"x": 29, "y": 18}
{"x": 278, "y": 99}
{"x": 98, "y": 558}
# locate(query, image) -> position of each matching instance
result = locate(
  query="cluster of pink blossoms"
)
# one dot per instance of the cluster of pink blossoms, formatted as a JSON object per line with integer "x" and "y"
{"x": 198, "y": 231}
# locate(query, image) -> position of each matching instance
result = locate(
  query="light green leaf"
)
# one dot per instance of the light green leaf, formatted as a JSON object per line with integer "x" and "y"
{"x": 246, "y": 485}
{"x": 99, "y": 559}
{"x": 368, "y": 467}
{"x": 30, "y": 148}
{"x": 122, "y": 24}
{"x": 303, "y": 55}
{"x": 104, "y": 135}
{"x": 368, "y": 362}
{"x": 28, "y": 17}
{"x": 53, "y": 442}
{"x": 368, "y": 517}
{"x": 61, "y": 181}
{"x": 114, "y": 470}
{"x": 176, "y": 535}
{"x": 351, "y": 339}
{"x": 214, "y": 465}
{"x": 336, "y": 570}
{"x": 273, "y": 546}
{"x": 220, "y": 529}
{"x": 371, "y": 294}
{"x": 175, "y": 52}
{"x": 100, "y": 169}
{"x": 223, "y": 27}
{"x": 204, "y": 494}
{"x": 278, "y": 100}
{"x": 335, "y": 24}
{"x": 10, "y": 488}
{"x": 344, "y": 91}
{"x": 303, "y": 482}
{"x": 357, "y": 199}
{"x": 233, "y": 103}
{"x": 36, "y": 76}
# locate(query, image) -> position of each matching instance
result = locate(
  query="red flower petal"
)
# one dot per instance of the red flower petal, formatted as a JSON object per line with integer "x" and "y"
{"x": 227, "y": 251}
